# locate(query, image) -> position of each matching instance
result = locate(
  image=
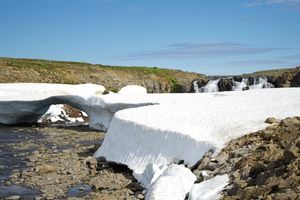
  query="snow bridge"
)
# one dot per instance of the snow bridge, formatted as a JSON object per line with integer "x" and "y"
{"x": 148, "y": 132}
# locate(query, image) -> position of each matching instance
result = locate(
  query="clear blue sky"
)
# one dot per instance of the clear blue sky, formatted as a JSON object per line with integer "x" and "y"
{"x": 206, "y": 36}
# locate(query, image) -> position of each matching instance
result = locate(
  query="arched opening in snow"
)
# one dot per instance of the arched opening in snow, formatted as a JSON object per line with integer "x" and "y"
{"x": 64, "y": 115}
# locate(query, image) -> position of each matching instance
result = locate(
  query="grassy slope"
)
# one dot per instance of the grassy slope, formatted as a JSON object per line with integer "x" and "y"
{"x": 275, "y": 72}
{"x": 112, "y": 77}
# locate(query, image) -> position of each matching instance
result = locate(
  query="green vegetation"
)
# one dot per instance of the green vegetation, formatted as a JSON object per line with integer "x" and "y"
{"x": 176, "y": 87}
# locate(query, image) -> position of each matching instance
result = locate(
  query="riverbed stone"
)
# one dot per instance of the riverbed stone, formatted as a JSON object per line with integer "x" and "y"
{"x": 264, "y": 164}
{"x": 45, "y": 168}
{"x": 91, "y": 162}
{"x": 54, "y": 173}
{"x": 13, "y": 197}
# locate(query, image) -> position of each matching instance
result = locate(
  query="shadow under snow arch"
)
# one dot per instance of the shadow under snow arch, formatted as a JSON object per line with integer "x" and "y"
{"x": 27, "y": 102}
{"x": 30, "y": 111}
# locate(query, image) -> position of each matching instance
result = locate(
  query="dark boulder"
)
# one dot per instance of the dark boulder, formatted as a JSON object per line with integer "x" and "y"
{"x": 238, "y": 78}
{"x": 271, "y": 79}
{"x": 251, "y": 80}
{"x": 225, "y": 84}
{"x": 296, "y": 80}
{"x": 284, "y": 80}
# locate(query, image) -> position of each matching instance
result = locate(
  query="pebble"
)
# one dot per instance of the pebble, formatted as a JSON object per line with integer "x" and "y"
{"x": 13, "y": 197}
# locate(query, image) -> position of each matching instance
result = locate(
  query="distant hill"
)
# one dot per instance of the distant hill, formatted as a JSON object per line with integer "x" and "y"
{"x": 112, "y": 77}
{"x": 273, "y": 72}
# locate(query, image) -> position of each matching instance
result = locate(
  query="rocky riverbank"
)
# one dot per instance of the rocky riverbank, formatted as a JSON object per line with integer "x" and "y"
{"x": 58, "y": 165}
{"x": 261, "y": 165}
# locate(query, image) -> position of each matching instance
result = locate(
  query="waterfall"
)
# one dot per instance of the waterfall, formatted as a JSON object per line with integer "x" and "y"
{"x": 240, "y": 86}
{"x": 211, "y": 86}
{"x": 261, "y": 82}
{"x": 196, "y": 87}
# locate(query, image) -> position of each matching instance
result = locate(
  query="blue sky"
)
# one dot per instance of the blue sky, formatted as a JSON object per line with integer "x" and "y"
{"x": 206, "y": 36}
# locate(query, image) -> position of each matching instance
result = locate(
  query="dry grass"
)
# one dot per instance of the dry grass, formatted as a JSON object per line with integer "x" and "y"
{"x": 112, "y": 77}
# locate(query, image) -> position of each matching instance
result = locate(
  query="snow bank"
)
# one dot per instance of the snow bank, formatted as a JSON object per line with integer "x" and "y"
{"x": 38, "y": 91}
{"x": 159, "y": 129}
{"x": 28, "y": 102}
{"x": 150, "y": 174}
{"x": 133, "y": 89}
{"x": 184, "y": 127}
{"x": 210, "y": 189}
{"x": 172, "y": 184}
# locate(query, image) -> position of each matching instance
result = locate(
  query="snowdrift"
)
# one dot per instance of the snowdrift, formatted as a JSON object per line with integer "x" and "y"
{"x": 188, "y": 125}
{"x": 28, "y": 102}
{"x": 158, "y": 129}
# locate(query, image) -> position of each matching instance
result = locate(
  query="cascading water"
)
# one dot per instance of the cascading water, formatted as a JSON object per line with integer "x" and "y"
{"x": 245, "y": 84}
{"x": 196, "y": 87}
{"x": 211, "y": 86}
{"x": 261, "y": 82}
{"x": 240, "y": 86}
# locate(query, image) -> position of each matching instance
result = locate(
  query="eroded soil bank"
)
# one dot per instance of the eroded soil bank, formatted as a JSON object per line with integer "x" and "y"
{"x": 56, "y": 163}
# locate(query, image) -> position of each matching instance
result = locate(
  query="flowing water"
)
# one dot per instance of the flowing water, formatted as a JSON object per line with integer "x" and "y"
{"x": 240, "y": 86}
{"x": 11, "y": 159}
{"x": 212, "y": 85}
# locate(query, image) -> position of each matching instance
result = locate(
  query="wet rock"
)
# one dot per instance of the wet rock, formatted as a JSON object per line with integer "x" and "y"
{"x": 105, "y": 92}
{"x": 296, "y": 80}
{"x": 225, "y": 85}
{"x": 135, "y": 187}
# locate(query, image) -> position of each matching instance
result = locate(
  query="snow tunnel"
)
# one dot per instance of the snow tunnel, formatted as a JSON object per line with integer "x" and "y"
{"x": 31, "y": 111}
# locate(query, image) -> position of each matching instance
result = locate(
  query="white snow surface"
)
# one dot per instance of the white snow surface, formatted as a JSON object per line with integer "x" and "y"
{"x": 210, "y": 189}
{"x": 27, "y": 102}
{"x": 133, "y": 89}
{"x": 158, "y": 129}
{"x": 185, "y": 126}
{"x": 151, "y": 173}
{"x": 172, "y": 184}
{"x": 37, "y": 91}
